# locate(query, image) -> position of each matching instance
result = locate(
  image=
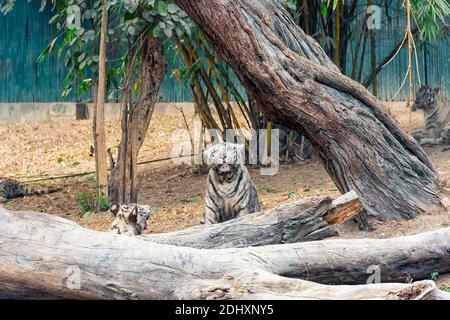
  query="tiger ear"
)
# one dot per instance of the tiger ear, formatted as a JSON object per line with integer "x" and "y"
{"x": 133, "y": 215}
{"x": 114, "y": 208}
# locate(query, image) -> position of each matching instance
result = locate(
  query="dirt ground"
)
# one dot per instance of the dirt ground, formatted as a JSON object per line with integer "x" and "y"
{"x": 174, "y": 191}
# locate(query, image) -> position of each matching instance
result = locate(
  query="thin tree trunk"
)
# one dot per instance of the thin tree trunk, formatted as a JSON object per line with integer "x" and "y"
{"x": 410, "y": 67}
{"x": 100, "y": 135}
{"x": 307, "y": 22}
{"x": 363, "y": 58}
{"x": 133, "y": 161}
{"x": 373, "y": 56}
{"x": 356, "y": 56}
{"x": 361, "y": 146}
{"x": 337, "y": 33}
{"x": 123, "y": 181}
{"x": 94, "y": 132}
{"x": 348, "y": 10}
{"x": 425, "y": 62}
{"x": 46, "y": 256}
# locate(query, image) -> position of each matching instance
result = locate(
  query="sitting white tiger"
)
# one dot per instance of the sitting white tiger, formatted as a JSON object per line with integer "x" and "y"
{"x": 130, "y": 219}
{"x": 230, "y": 193}
{"x": 437, "y": 116}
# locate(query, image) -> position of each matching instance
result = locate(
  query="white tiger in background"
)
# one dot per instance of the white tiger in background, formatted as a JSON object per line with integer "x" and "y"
{"x": 230, "y": 192}
{"x": 437, "y": 116}
{"x": 130, "y": 219}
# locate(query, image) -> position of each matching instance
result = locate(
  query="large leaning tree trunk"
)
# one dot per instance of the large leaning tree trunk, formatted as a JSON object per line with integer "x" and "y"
{"x": 360, "y": 144}
{"x": 136, "y": 116}
{"x": 47, "y": 256}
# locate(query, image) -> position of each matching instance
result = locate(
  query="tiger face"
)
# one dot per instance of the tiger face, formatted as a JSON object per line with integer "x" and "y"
{"x": 130, "y": 219}
{"x": 426, "y": 98}
{"x": 225, "y": 159}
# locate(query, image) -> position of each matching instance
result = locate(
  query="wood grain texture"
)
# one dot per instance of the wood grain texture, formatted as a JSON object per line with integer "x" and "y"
{"x": 304, "y": 220}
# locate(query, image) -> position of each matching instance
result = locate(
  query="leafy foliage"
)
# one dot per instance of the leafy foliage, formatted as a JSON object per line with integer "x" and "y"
{"x": 86, "y": 202}
{"x": 434, "y": 275}
{"x": 103, "y": 203}
{"x": 7, "y": 6}
{"x": 79, "y": 24}
{"x": 431, "y": 17}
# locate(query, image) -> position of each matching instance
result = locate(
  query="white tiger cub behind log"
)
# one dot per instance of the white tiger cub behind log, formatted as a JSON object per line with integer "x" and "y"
{"x": 230, "y": 192}
{"x": 130, "y": 219}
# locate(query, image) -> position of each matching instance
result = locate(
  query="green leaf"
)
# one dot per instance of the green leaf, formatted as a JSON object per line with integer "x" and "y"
{"x": 162, "y": 8}
{"x": 131, "y": 30}
{"x": 324, "y": 11}
{"x": 87, "y": 214}
{"x": 172, "y": 8}
{"x": 168, "y": 32}
{"x": 53, "y": 19}
{"x": 158, "y": 32}
{"x": 81, "y": 57}
{"x": 47, "y": 50}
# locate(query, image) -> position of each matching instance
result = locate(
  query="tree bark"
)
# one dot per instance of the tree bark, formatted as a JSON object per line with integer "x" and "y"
{"x": 360, "y": 144}
{"x": 49, "y": 257}
{"x": 136, "y": 120}
{"x": 305, "y": 220}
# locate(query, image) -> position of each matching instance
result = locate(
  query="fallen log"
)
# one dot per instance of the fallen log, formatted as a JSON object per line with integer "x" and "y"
{"x": 305, "y": 220}
{"x": 48, "y": 256}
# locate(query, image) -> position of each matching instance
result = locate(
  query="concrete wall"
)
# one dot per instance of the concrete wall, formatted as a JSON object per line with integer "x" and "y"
{"x": 45, "y": 112}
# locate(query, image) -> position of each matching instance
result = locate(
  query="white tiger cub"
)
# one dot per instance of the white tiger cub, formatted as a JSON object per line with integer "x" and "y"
{"x": 230, "y": 192}
{"x": 130, "y": 219}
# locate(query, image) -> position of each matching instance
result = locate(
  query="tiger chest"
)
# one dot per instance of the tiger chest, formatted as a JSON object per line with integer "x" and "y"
{"x": 227, "y": 198}
{"x": 228, "y": 206}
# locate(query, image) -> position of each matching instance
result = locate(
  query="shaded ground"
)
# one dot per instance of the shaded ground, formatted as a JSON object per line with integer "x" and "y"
{"x": 174, "y": 192}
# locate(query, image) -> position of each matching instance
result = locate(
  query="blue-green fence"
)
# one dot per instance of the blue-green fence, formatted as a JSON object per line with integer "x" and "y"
{"x": 391, "y": 77}
{"x": 24, "y": 33}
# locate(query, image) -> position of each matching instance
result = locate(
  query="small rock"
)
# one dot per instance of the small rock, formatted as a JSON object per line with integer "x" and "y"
{"x": 446, "y": 191}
